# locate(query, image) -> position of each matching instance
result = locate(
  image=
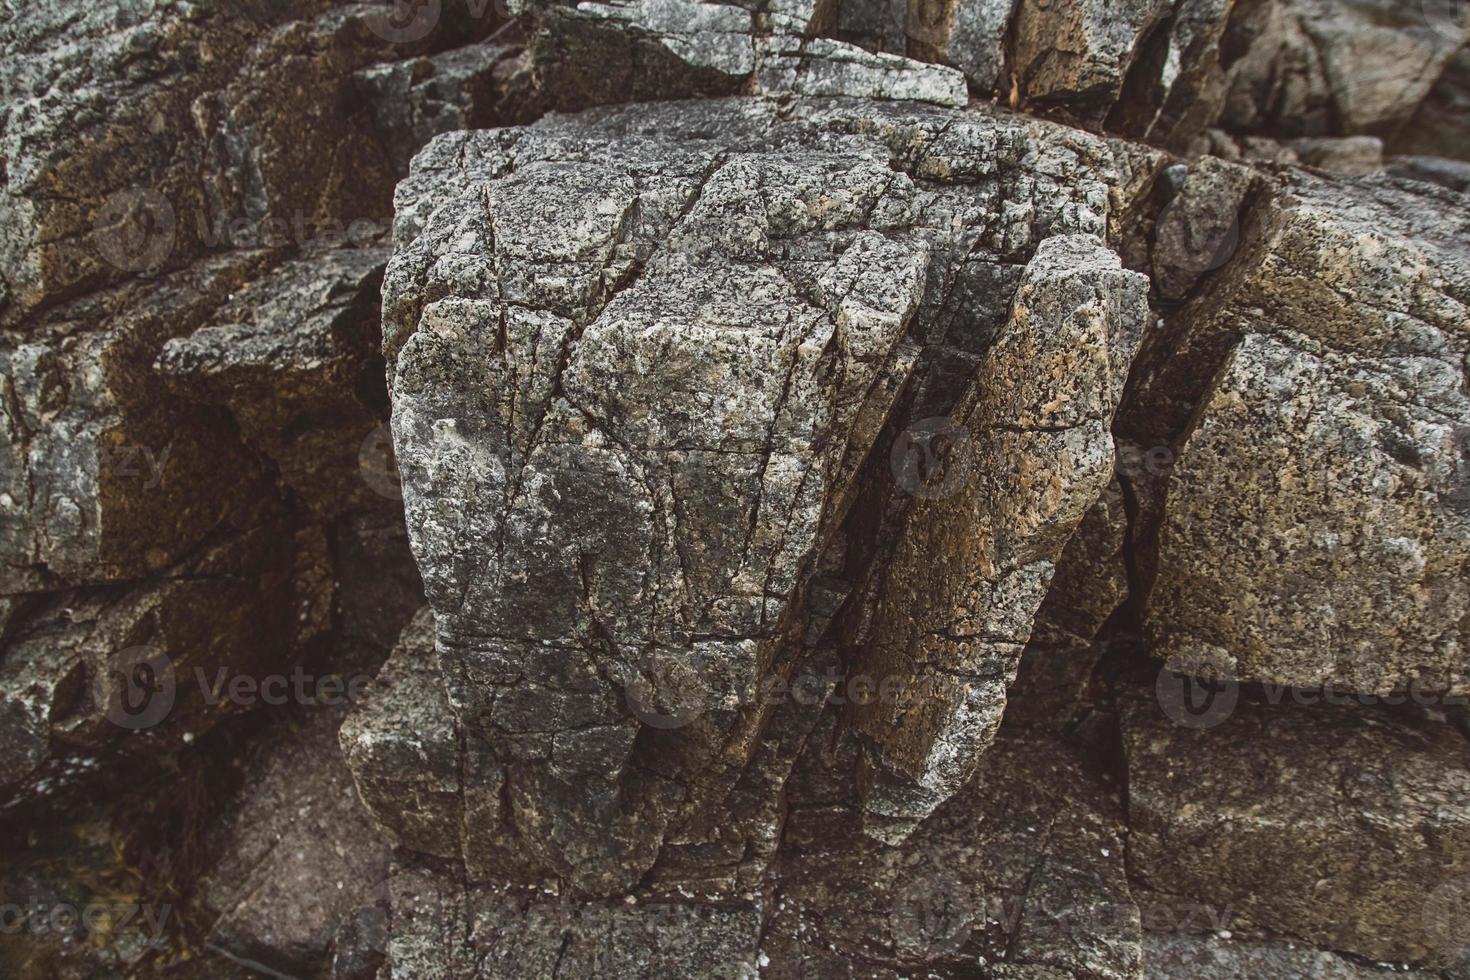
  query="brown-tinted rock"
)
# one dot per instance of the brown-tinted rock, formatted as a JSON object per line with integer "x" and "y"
{"x": 1335, "y": 825}
{"x": 298, "y": 856}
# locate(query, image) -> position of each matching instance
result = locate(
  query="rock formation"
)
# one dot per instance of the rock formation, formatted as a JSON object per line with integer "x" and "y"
{"x": 661, "y": 488}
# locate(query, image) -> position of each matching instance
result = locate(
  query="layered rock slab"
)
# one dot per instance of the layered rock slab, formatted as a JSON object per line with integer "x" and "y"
{"x": 958, "y": 597}
{"x": 636, "y": 365}
{"x": 1344, "y": 826}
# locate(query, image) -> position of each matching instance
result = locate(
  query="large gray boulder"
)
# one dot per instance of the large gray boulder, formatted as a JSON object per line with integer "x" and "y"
{"x": 650, "y": 424}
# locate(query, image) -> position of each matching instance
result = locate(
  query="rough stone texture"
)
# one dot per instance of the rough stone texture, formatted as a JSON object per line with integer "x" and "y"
{"x": 1325, "y": 464}
{"x": 1347, "y": 155}
{"x": 377, "y": 588}
{"x": 298, "y": 858}
{"x": 1073, "y": 56}
{"x": 1441, "y": 126}
{"x": 1022, "y": 875}
{"x": 972, "y": 567}
{"x": 783, "y": 572}
{"x": 1208, "y": 958}
{"x": 90, "y": 667}
{"x": 71, "y": 867}
{"x": 967, "y": 34}
{"x": 402, "y": 746}
{"x": 1091, "y": 578}
{"x": 1014, "y": 874}
{"x": 414, "y": 100}
{"x": 1198, "y": 231}
{"x": 183, "y": 406}
{"x": 175, "y": 145}
{"x": 651, "y": 501}
{"x": 822, "y": 67}
{"x": 294, "y": 357}
{"x": 1454, "y": 174}
{"x": 440, "y": 929}
{"x": 1331, "y": 824}
{"x": 1316, "y": 68}
{"x": 104, "y": 480}
{"x": 578, "y": 295}
{"x": 594, "y": 53}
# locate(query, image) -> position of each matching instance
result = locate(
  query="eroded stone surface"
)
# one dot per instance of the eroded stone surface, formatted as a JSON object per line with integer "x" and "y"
{"x": 1328, "y": 450}
{"x": 682, "y": 389}
{"x": 294, "y": 357}
{"x": 973, "y": 566}
{"x": 1265, "y": 814}
{"x": 615, "y": 470}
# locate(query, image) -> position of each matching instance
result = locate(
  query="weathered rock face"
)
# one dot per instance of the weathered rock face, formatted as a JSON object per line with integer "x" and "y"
{"x": 402, "y": 745}
{"x": 811, "y": 467}
{"x": 973, "y": 563}
{"x": 297, "y": 371}
{"x": 1021, "y": 875}
{"x": 144, "y": 133}
{"x": 1328, "y": 448}
{"x": 587, "y": 382}
{"x": 1264, "y": 814}
{"x": 183, "y": 406}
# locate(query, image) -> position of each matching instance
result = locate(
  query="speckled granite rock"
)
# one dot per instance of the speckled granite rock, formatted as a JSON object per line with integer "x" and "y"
{"x": 184, "y": 407}
{"x": 1328, "y": 448}
{"x": 973, "y": 565}
{"x": 142, "y": 133}
{"x": 594, "y": 53}
{"x": 1015, "y": 876}
{"x": 440, "y": 929}
{"x": 1337, "y": 825}
{"x": 593, "y": 277}
{"x": 1074, "y": 55}
{"x": 789, "y": 531}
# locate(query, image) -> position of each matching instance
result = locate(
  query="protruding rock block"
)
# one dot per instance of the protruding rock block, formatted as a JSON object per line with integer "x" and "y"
{"x": 294, "y": 357}
{"x": 635, "y": 378}
{"x": 973, "y": 565}
{"x": 1316, "y": 528}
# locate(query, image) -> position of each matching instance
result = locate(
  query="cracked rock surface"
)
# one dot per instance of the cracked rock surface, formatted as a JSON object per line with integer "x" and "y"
{"x": 771, "y": 488}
